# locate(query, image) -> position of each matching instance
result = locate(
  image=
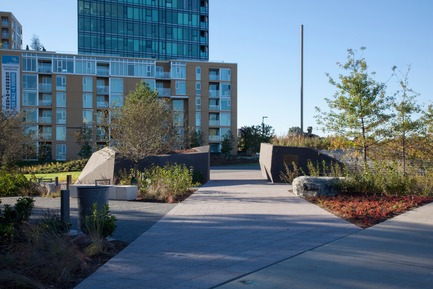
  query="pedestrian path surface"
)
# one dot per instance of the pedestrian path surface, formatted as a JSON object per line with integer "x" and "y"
{"x": 236, "y": 224}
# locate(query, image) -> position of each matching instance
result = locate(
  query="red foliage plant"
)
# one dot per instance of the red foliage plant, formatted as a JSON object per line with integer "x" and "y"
{"x": 368, "y": 210}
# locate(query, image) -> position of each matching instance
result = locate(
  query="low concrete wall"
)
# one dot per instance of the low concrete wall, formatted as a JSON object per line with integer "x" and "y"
{"x": 272, "y": 159}
{"x": 121, "y": 193}
{"x": 199, "y": 161}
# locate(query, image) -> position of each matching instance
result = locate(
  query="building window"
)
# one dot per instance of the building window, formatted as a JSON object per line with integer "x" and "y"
{"x": 178, "y": 105}
{"x": 198, "y": 119}
{"x": 61, "y": 99}
{"x": 225, "y": 119}
{"x": 29, "y": 98}
{"x": 61, "y": 83}
{"x": 226, "y": 74}
{"x": 61, "y": 152}
{"x": 226, "y": 104}
{"x": 87, "y": 100}
{"x": 61, "y": 116}
{"x": 116, "y": 85}
{"x": 116, "y": 100}
{"x": 61, "y": 133}
{"x": 198, "y": 103}
{"x": 30, "y": 82}
{"x": 198, "y": 88}
{"x": 198, "y": 73}
{"x": 87, "y": 84}
{"x": 87, "y": 116}
{"x": 180, "y": 87}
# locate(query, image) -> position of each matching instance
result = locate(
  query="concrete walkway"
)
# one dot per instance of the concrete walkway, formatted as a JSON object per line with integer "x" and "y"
{"x": 236, "y": 224}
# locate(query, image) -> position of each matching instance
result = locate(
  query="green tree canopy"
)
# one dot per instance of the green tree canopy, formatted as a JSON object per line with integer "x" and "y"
{"x": 144, "y": 126}
{"x": 358, "y": 109}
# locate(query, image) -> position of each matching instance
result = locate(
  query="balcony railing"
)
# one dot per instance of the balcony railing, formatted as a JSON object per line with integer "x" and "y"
{"x": 204, "y": 25}
{"x": 214, "y": 122}
{"x": 214, "y": 77}
{"x": 214, "y": 107}
{"x": 102, "y": 104}
{"x": 165, "y": 92}
{"x": 204, "y": 39}
{"x": 45, "y": 135}
{"x": 103, "y": 71}
{"x": 214, "y": 93}
{"x": 61, "y": 121}
{"x": 45, "y": 102}
{"x": 214, "y": 138}
{"x": 45, "y": 68}
{"x": 45, "y": 119}
{"x": 45, "y": 87}
{"x": 204, "y": 10}
{"x": 102, "y": 89}
{"x": 163, "y": 75}
{"x": 5, "y": 35}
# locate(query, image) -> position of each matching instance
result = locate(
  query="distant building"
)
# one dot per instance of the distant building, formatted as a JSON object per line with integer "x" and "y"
{"x": 12, "y": 32}
{"x": 59, "y": 93}
{"x": 163, "y": 30}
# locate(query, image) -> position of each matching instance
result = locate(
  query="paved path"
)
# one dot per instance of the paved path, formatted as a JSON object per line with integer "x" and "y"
{"x": 236, "y": 224}
{"x": 133, "y": 218}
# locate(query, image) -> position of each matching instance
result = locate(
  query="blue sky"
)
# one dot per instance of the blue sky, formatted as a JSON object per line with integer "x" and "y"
{"x": 262, "y": 37}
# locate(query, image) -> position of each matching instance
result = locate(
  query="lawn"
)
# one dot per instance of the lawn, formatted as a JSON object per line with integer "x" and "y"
{"x": 61, "y": 176}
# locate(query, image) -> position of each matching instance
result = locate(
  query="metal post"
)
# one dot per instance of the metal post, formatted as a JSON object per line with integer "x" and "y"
{"x": 56, "y": 180}
{"x": 64, "y": 205}
{"x": 302, "y": 80}
{"x": 68, "y": 181}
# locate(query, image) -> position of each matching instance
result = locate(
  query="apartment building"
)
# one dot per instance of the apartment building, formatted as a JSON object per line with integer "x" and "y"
{"x": 58, "y": 93}
{"x": 11, "y": 34}
{"x": 158, "y": 29}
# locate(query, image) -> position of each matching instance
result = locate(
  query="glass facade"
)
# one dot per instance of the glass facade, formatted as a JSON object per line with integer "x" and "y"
{"x": 160, "y": 29}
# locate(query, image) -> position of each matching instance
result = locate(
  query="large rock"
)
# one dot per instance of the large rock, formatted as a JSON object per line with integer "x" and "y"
{"x": 306, "y": 186}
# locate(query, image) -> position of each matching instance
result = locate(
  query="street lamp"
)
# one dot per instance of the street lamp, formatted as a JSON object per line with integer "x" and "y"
{"x": 263, "y": 124}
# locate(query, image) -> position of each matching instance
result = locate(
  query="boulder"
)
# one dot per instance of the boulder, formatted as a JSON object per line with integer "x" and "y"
{"x": 306, "y": 186}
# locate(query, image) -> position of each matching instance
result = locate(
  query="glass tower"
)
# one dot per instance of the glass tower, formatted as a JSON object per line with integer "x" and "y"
{"x": 159, "y": 29}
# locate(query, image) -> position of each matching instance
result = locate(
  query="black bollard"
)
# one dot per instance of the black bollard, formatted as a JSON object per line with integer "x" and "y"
{"x": 64, "y": 205}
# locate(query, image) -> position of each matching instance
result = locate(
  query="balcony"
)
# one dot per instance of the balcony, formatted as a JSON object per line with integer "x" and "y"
{"x": 45, "y": 119}
{"x": 45, "y": 87}
{"x": 5, "y": 35}
{"x": 214, "y": 138}
{"x": 104, "y": 89}
{"x": 214, "y": 122}
{"x": 45, "y": 102}
{"x": 204, "y": 40}
{"x": 164, "y": 92}
{"x": 214, "y": 77}
{"x": 45, "y": 136}
{"x": 45, "y": 68}
{"x": 214, "y": 107}
{"x": 214, "y": 93}
{"x": 103, "y": 70}
{"x": 204, "y": 25}
{"x": 204, "y": 10}
{"x": 102, "y": 104}
{"x": 163, "y": 75}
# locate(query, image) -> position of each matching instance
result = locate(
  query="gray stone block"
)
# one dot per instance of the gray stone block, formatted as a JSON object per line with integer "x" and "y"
{"x": 306, "y": 186}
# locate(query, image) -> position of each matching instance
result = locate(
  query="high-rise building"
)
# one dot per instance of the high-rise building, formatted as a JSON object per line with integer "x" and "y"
{"x": 158, "y": 29}
{"x": 12, "y": 34}
{"x": 59, "y": 93}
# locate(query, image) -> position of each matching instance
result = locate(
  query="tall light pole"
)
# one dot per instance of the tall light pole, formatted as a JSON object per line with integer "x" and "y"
{"x": 302, "y": 79}
{"x": 263, "y": 124}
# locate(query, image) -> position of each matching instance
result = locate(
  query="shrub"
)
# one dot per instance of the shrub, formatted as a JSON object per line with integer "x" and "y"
{"x": 13, "y": 217}
{"x": 13, "y": 184}
{"x": 43, "y": 258}
{"x": 167, "y": 183}
{"x": 380, "y": 178}
{"x": 332, "y": 170}
{"x": 54, "y": 167}
{"x": 99, "y": 225}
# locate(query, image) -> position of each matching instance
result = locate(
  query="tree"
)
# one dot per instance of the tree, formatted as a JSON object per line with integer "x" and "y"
{"x": 12, "y": 138}
{"x": 402, "y": 124}
{"x": 36, "y": 43}
{"x": 144, "y": 126}
{"x": 83, "y": 137}
{"x": 228, "y": 144}
{"x": 358, "y": 108}
{"x": 250, "y": 137}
